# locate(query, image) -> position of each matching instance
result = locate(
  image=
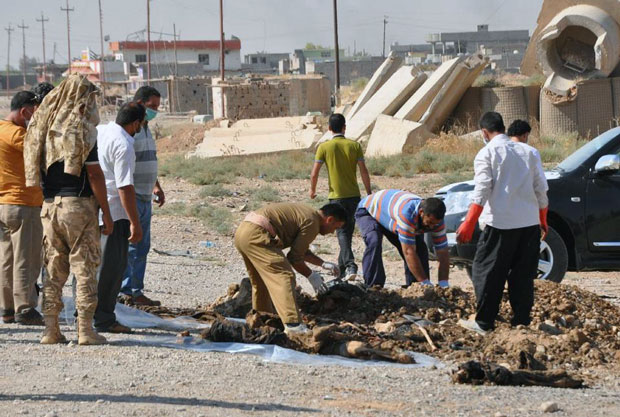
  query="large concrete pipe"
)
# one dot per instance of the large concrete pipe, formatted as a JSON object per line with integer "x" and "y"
{"x": 580, "y": 42}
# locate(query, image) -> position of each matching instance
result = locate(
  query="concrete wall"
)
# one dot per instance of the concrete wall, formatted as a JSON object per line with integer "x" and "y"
{"x": 309, "y": 94}
{"x": 190, "y": 95}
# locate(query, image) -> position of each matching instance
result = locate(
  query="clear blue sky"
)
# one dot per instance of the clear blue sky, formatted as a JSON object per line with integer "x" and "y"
{"x": 271, "y": 25}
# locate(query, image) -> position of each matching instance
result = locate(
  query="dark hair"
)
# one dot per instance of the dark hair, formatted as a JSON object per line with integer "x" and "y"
{"x": 130, "y": 112}
{"x": 336, "y": 122}
{"x": 41, "y": 90}
{"x": 519, "y": 128}
{"x": 144, "y": 93}
{"x": 23, "y": 99}
{"x": 434, "y": 207}
{"x": 493, "y": 122}
{"x": 335, "y": 210}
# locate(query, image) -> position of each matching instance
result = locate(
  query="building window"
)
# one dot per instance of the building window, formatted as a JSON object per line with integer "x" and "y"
{"x": 140, "y": 58}
{"x": 263, "y": 60}
{"x": 326, "y": 54}
{"x": 254, "y": 60}
{"x": 203, "y": 59}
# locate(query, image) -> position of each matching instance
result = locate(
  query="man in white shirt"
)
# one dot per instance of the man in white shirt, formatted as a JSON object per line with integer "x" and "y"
{"x": 118, "y": 161}
{"x": 510, "y": 199}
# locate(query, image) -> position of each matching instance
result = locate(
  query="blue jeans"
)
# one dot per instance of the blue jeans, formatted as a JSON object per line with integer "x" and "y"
{"x": 133, "y": 278}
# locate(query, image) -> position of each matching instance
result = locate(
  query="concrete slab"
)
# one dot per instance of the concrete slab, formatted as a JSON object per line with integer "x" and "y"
{"x": 392, "y": 136}
{"x": 417, "y": 105}
{"x": 383, "y": 73}
{"x": 388, "y": 100}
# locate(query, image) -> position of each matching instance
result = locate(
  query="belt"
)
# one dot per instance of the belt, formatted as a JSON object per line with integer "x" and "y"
{"x": 261, "y": 221}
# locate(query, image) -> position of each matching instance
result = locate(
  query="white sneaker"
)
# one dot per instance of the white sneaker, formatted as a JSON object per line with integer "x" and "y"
{"x": 299, "y": 329}
{"x": 444, "y": 284}
{"x": 426, "y": 283}
{"x": 473, "y": 326}
{"x": 350, "y": 275}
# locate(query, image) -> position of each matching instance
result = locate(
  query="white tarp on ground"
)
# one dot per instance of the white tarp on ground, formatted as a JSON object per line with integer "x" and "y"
{"x": 138, "y": 319}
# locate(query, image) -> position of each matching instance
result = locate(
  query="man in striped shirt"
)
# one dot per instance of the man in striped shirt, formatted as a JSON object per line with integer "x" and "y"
{"x": 146, "y": 185}
{"x": 402, "y": 218}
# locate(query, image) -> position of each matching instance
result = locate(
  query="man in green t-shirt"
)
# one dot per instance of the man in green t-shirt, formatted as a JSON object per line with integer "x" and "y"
{"x": 342, "y": 157}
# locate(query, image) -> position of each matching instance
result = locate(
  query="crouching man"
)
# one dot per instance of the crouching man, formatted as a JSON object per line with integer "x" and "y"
{"x": 402, "y": 218}
{"x": 263, "y": 235}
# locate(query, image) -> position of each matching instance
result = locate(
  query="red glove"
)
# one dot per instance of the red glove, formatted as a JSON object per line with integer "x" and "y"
{"x": 466, "y": 229}
{"x": 543, "y": 221}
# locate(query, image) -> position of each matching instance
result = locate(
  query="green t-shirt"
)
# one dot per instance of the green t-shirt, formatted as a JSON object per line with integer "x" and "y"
{"x": 341, "y": 156}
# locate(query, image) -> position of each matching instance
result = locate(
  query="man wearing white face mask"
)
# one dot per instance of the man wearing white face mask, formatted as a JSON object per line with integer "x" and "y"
{"x": 21, "y": 231}
{"x": 146, "y": 185}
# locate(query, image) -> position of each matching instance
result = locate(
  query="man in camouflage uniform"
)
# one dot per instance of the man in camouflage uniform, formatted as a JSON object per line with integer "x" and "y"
{"x": 70, "y": 209}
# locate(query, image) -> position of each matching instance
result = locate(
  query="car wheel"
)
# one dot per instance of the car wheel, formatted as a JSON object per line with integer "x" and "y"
{"x": 553, "y": 261}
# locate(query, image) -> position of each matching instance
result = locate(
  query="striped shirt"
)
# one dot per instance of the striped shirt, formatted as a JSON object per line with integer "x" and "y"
{"x": 398, "y": 212}
{"x": 145, "y": 175}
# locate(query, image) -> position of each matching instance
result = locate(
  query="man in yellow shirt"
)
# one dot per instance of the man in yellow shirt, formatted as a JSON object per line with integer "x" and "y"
{"x": 342, "y": 157}
{"x": 21, "y": 231}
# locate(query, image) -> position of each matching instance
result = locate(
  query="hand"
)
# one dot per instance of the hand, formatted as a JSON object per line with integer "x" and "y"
{"x": 135, "y": 233}
{"x": 160, "y": 195}
{"x": 466, "y": 229}
{"x": 312, "y": 194}
{"x": 108, "y": 224}
{"x": 316, "y": 280}
{"x": 543, "y": 222}
{"x": 332, "y": 268}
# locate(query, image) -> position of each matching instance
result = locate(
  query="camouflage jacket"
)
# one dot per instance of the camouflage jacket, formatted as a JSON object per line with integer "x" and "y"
{"x": 62, "y": 128}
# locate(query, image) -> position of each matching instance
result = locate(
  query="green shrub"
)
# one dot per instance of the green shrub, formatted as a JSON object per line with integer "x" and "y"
{"x": 214, "y": 190}
{"x": 265, "y": 193}
{"x": 216, "y": 218}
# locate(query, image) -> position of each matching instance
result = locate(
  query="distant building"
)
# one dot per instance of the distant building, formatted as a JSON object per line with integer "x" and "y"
{"x": 505, "y": 47}
{"x": 351, "y": 69}
{"x": 404, "y": 51}
{"x": 263, "y": 62}
{"x": 321, "y": 54}
{"x": 90, "y": 66}
{"x": 206, "y": 53}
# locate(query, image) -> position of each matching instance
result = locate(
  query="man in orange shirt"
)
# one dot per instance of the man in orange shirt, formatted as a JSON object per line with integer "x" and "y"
{"x": 21, "y": 231}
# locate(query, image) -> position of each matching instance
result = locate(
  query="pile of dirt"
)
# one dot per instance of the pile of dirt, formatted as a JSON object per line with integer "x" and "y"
{"x": 184, "y": 137}
{"x": 572, "y": 330}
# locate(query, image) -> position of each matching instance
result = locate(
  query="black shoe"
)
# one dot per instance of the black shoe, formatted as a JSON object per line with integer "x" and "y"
{"x": 30, "y": 317}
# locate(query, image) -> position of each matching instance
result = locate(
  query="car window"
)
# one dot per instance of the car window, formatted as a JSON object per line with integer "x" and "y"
{"x": 578, "y": 157}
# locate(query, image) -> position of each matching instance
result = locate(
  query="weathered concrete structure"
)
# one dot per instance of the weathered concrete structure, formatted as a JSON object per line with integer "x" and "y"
{"x": 350, "y": 69}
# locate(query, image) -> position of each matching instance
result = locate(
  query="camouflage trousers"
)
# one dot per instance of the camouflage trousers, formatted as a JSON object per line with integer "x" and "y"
{"x": 70, "y": 244}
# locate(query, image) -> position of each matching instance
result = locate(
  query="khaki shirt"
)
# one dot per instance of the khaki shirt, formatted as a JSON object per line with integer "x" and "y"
{"x": 297, "y": 225}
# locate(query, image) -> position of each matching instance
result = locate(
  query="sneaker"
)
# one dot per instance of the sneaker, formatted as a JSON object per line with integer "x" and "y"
{"x": 296, "y": 329}
{"x": 115, "y": 327}
{"x": 473, "y": 326}
{"x": 8, "y": 319}
{"x": 426, "y": 283}
{"x": 350, "y": 274}
{"x": 30, "y": 318}
{"x": 444, "y": 284}
{"x": 143, "y": 300}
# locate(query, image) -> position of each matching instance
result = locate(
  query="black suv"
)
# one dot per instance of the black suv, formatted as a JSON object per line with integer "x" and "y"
{"x": 584, "y": 213}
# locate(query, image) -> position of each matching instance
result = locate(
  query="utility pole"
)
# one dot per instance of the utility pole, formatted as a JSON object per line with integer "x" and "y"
{"x": 43, "y": 20}
{"x": 384, "y": 25}
{"x": 176, "y": 61}
{"x": 23, "y": 27}
{"x": 337, "y": 52}
{"x": 148, "y": 42}
{"x": 67, "y": 9}
{"x": 222, "y": 54}
{"x": 102, "y": 80}
{"x": 8, "y": 60}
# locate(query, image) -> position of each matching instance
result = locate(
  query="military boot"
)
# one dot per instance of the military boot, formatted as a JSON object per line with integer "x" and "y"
{"x": 51, "y": 334}
{"x": 86, "y": 334}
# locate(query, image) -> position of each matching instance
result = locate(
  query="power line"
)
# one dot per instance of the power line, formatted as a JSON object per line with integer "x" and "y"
{"x": 23, "y": 27}
{"x": 43, "y": 20}
{"x": 8, "y": 59}
{"x": 67, "y": 9}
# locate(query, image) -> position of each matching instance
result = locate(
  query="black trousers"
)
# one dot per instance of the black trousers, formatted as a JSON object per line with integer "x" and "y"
{"x": 505, "y": 256}
{"x": 346, "y": 259}
{"x": 114, "y": 250}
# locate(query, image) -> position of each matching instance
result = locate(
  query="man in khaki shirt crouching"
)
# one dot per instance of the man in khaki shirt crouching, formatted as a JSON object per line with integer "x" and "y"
{"x": 263, "y": 235}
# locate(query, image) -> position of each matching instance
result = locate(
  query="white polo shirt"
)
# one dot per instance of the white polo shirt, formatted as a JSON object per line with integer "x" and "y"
{"x": 118, "y": 163}
{"x": 510, "y": 183}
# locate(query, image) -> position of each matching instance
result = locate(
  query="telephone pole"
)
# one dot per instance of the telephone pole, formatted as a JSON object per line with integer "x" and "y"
{"x": 176, "y": 62}
{"x": 23, "y": 27}
{"x": 43, "y": 20}
{"x": 67, "y": 9}
{"x": 337, "y": 52}
{"x": 385, "y": 22}
{"x": 148, "y": 42}
{"x": 102, "y": 70}
{"x": 8, "y": 59}
{"x": 222, "y": 54}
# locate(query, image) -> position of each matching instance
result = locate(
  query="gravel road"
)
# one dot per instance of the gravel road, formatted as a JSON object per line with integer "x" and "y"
{"x": 129, "y": 378}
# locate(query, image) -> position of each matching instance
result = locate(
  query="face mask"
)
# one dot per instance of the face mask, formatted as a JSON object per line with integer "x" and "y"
{"x": 27, "y": 123}
{"x": 150, "y": 114}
